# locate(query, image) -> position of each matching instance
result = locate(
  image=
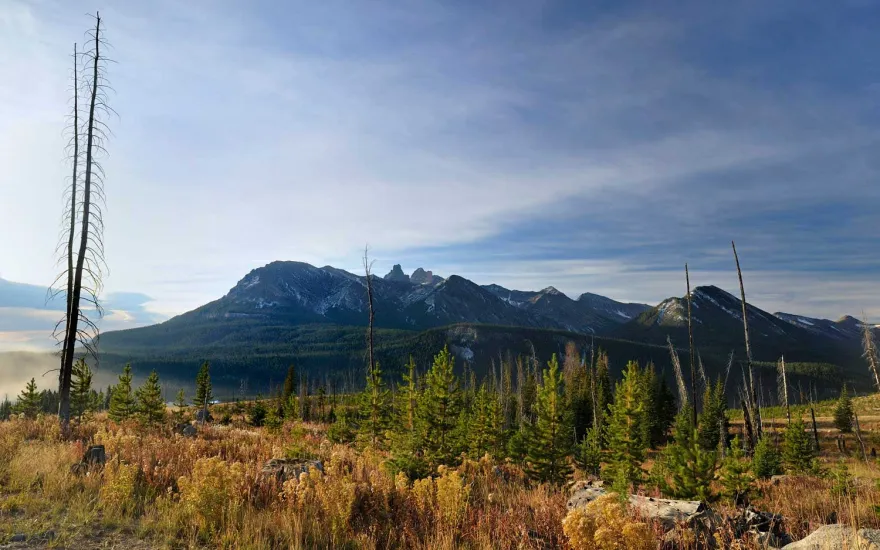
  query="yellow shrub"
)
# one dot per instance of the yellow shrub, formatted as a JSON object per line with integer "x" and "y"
{"x": 120, "y": 492}
{"x": 604, "y": 525}
{"x": 212, "y": 493}
{"x": 423, "y": 494}
{"x": 452, "y": 497}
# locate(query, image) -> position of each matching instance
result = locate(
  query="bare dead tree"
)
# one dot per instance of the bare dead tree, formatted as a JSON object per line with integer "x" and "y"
{"x": 752, "y": 394}
{"x": 84, "y": 278}
{"x": 691, "y": 347}
{"x": 782, "y": 387}
{"x": 679, "y": 377}
{"x": 368, "y": 265}
{"x": 870, "y": 347}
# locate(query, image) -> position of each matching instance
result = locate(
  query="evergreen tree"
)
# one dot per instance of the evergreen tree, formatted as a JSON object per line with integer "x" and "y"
{"x": 439, "y": 410}
{"x": 406, "y": 443}
{"x": 483, "y": 431}
{"x": 713, "y": 416}
{"x": 150, "y": 405}
{"x": 375, "y": 409}
{"x": 550, "y": 444}
{"x": 203, "y": 386}
{"x": 5, "y": 409}
{"x": 80, "y": 388}
{"x": 604, "y": 388}
{"x": 122, "y": 404}
{"x": 765, "y": 460}
{"x": 258, "y": 412}
{"x": 410, "y": 396}
{"x": 626, "y": 427}
{"x": 577, "y": 391}
{"x": 179, "y": 404}
{"x": 588, "y": 455}
{"x": 688, "y": 467}
{"x": 843, "y": 412}
{"x": 290, "y": 384}
{"x": 798, "y": 451}
{"x": 517, "y": 445}
{"x": 663, "y": 414}
{"x": 29, "y": 401}
{"x": 735, "y": 474}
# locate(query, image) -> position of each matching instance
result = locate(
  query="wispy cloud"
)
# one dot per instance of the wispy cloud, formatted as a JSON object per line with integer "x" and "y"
{"x": 508, "y": 145}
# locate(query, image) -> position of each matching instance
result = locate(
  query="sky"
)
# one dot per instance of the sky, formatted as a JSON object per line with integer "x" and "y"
{"x": 595, "y": 147}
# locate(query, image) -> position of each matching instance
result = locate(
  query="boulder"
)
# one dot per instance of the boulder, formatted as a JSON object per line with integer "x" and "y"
{"x": 94, "y": 458}
{"x": 669, "y": 513}
{"x": 203, "y": 416}
{"x": 838, "y": 537}
{"x": 283, "y": 469}
{"x": 186, "y": 430}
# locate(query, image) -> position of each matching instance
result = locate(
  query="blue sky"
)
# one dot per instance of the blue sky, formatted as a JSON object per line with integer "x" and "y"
{"x": 524, "y": 143}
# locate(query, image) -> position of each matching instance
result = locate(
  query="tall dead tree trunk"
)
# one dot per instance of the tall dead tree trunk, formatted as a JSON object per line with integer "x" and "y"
{"x": 367, "y": 270}
{"x": 870, "y": 347}
{"x": 89, "y": 255}
{"x": 782, "y": 387}
{"x": 691, "y": 347}
{"x": 752, "y": 394}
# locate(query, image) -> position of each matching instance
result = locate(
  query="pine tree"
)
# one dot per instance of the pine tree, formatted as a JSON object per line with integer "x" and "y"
{"x": 843, "y": 412}
{"x": 689, "y": 468}
{"x": 483, "y": 431}
{"x": 204, "y": 395}
{"x": 258, "y": 412}
{"x": 765, "y": 460}
{"x": 375, "y": 409}
{"x": 663, "y": 415}
{"x": 798, "y": 452}
{"x": 150, "y": 405}
{"x": 122, "y": 404}
{"x": 80, "y": 388}
{"x": 625, "y": 427}
{"x": 180, "y": 404}
{"x": 577, "y": 391}
{"x": 406, "y": 443}
{"x": 735, "y": 474}
{"x": 604, "y": 388}
{"x": 713, "y": 416}
{"x": 588, "y": 454}
{"x": 5, "y": 409}
{"x": 410, "y": 396}
{"x": 439, "y": 410}
{"x": 550, "y": 444}
{"x": 29, "y": 401}
{"x": 288, "y": 394}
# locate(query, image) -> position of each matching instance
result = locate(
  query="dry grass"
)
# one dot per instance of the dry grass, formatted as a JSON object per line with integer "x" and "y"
{"x": 208, "y": 492}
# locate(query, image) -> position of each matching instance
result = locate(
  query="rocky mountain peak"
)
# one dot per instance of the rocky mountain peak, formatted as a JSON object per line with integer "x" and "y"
{"x": 397, "y": 274}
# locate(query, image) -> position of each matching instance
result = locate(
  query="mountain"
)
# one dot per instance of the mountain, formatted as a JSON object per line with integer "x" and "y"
{"x": 590, "y": 313}
{"x": 718, "y": 329}
{"x": 845, "y": 328}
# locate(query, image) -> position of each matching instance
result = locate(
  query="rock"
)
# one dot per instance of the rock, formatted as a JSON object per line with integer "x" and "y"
{"x": 203, "y": 416}
{"x": 186, "y": 430}
{"x": 838, "y": 537}
{"x": 397, "y": 274}
{"x": 283, "y": 469}
{"x": 668, "y": 512}
{"x": 94, "y": 458}
{"x": 20, "y": 537}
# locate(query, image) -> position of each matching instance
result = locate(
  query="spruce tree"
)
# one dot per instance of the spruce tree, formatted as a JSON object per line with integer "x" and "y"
{"x": 588, "y": 454}
{"x": 439, "y": 410}
{"x": 150, "y": 405}
{"x": 798, "y": 451}
{"x": 406, "y": 443}
{"x": 375, "y": 409}
{"x": 483, "y": 431}
{"x": 179, "y": 404}
{"x": 5, "y": 409}
{"x": 765, "y": 460}
{"x": 843, "y": 412}
{"x": 288, "y": 394}
{"x": 735, "y": 474}
{"x": 664, "y": 411}
{"x": 203, "y": 386}
{"x": 625, "y": 427}
{"x": 122, "y": 404}
{"x": 29, "y": 402}
{"x": 713, "y": 416}
{"x": 80, "y": 388}
{"x": 577, "y": 391}
{"x": 550, "y": 444}
{"x": 604, "y": 388}
{"x": 688, "y": 467}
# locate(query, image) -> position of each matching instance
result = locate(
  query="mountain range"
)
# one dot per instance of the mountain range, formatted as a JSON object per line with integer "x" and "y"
{"x": 293, "y": 311}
